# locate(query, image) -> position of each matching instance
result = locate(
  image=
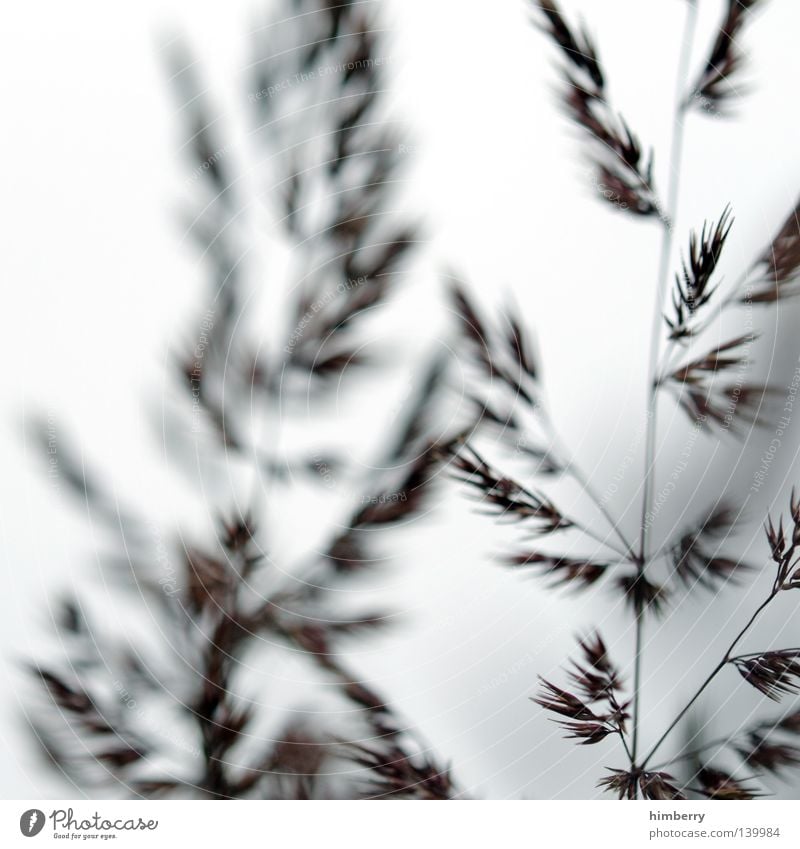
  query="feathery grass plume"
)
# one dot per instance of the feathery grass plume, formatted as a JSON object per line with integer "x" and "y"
{"x": 723, "y": 357}
{"x": 505, "y": 361}
{"x": 328, "y": 160}
{"x": 500, "y": 495}
{"x": 337, "y": 187}
{"x": 759, "y": 753}
{"x": 789, "y": 723}
{"x": 774, "y": 673}
{"x": 777, "y": 270}
{"x": 403, "y": 482}
{"x": 692, "y": 285}
{"x": 508, "y": 397}
{"x": 586, "y": 725}
{"x": 223, "y": 598}
{"x": 596, "y": 676}
{"x": 655, "y": 786}
{"x": 642, "y": 594}
{"x": 395, "y": 495}
{"x": 575, "y": 573}
{"x": 695, "y": 565}
{"x": 717, "y": 83}
{"x": 705, "y": 401}
{"x": 218, "y": 616}
{"x": 623, "y": 170}
{"x": 85, "y": 483}
{"x": 509, "y": 400}
{"x": 710, "y": 386}
{"x": 397, "y": 774}
{"x": 597, "y": 712}
{"x": 512, "y": 364}
{"x": 717, "y": 784}
{"x": 294, "y": 764}
{"x": 783, "y": 552}
{"x": 659, "y": 786}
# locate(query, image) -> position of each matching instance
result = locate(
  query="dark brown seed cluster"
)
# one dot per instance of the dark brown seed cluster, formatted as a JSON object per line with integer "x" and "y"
{"x": 640, "y": 593}
{"x": 705, "y": 401}
{"x": 760, "y": 753}
{"x": 512, "y": 362}
{"x": 503, "y": 496}
{"x": 655, "y": 786}
{"x": 768, "y": 746}
{"x": 507, "y": 394}
{"x": 774, "y": 673}
{"x": 777, "y": 271}
{"x": 692, "y": 286}
{"x": 623, "y": 170}
{"x": 574, "y": 573}
{"x": 718, "y": 83}
{"x": 597, "y": 711}
{"x": 696, "y": 557}
{"x": 720, "y": 785}
{"x": 396, "y": 774}
{"x": 783, "y": 548}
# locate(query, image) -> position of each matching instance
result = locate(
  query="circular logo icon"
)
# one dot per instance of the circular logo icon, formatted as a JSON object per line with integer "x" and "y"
{"x": 31, "y": 822}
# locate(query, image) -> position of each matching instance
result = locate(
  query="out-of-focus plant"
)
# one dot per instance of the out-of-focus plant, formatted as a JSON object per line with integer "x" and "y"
{"x": 181, "y": 715}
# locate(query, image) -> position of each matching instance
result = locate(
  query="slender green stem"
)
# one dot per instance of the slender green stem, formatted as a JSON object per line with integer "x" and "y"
{"x": 637, "y": 680}
{"x": 676, "y": 160}
{"x": 626, "y": 747}
{"x": 714, "y": 672}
